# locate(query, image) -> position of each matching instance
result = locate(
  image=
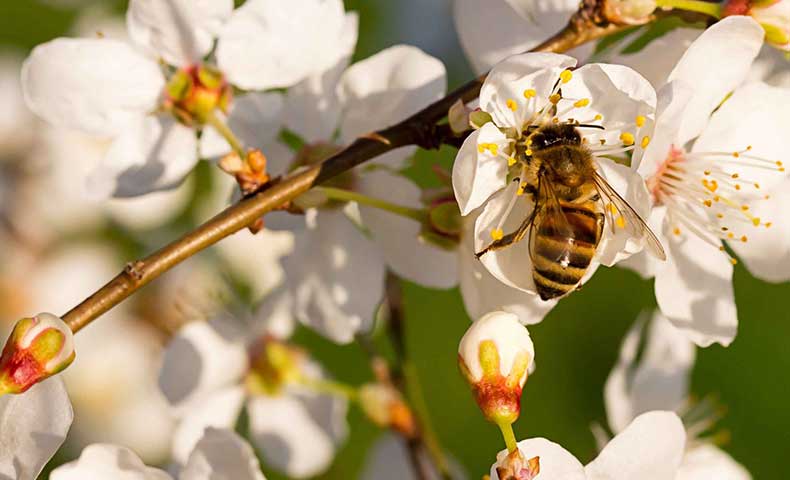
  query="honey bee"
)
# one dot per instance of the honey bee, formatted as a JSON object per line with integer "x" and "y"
{"x": 573, "y": 202}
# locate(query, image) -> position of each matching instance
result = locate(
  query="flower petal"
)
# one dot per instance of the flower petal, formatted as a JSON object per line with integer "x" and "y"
{"x": 657, "y": 60}
{"x": 274, "y": 316}
{"x": 97, "y": 86}
{"x": 103, "y": 460}
{"x": 222, "y": 454}
{"x": 297, "y": 434}
{"x": 512, "y": 265}
{"x": 389, "y": 459}
{"x": 651, "y": 448}
{"x": 483, "y": 293}
{"x": 754, "y": 117}
{"x": 270, "y": 44}
{"x": 479, "y": 174}
{"x": 660, "y": 381}
{"x": 405, "y": 252}
{"x": 493, "y": 30}
{"x": 672, "y": 101}
{"x": 556, "y": 463}
{"x": 33, "y": 425}
{"x": 694, "y": 291}
{"x": 707, "y": 461}
{"x": 643, "y": 263}
{"x": 154, "y": 153}
{"x": 386, "y": 88}
{"x": 180, "y": 31}
{"x": 255, "y": 119}
{"x": 203, "y": 357}
{"x": 337, "y": 278}
{"x": 716, "y": 63}
{"x": 511, "y": 79}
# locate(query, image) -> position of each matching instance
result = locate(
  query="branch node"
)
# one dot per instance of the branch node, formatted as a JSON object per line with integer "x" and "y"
{"x": 135, "y": 270}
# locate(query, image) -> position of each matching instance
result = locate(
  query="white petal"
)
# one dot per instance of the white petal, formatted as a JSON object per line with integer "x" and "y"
{"x": 716, "y": 63}
{"x": 643, "y": 263}
{"x": 767, "y": 253}
{"x": 399, "y": 237}
{"x": 337, "y": 278}
{"x": 110, "y": 462}
{"x": 672, "y": 101}
{"x": 389, "y": 459}
{"x": 297, "y": 434}
{"x": 386, "y": 88}
{"x": 617, "y": 243}
{"x": 659, "y": 382}
{"x": 657, "y": 60}
{"x": 203, "y": 357}
{"x": 651, "y": 448}
{"x": 754, "y": 116}
{"x": 483, "y": 293}
{"x": 269, "y": 44}
{"x": 218, "y": 409}
{"x": 255, "y": 119}
{"x": 180, "y": 31}
{"x": 512, "y": 265}
{"x": 275, "y": 315}
{"x": 222, "y": 454}
{"x": 493, "y": 30}
{"x": 478, "y": 175}
{"x": 97, "y": 86}
{"x": 707, "y": 461}
{"x": 556, "y": 463}
{"x": 694, "y": 291}
{"x": 33, "y": 425}
{"x": 154, "y": 153}
{"x": 511, "y": 78}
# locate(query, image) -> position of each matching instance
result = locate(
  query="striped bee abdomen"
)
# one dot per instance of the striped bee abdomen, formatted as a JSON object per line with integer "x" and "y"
{"x": 562, "y": 249}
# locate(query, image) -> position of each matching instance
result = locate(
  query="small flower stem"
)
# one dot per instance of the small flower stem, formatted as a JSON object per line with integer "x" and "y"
{"x": 707, "y": 8}
{"x": 223, "y": 129}
{"x": 509, "y": 436}
{"x": 349, "y": 196}
{"x": 330, "y": 387}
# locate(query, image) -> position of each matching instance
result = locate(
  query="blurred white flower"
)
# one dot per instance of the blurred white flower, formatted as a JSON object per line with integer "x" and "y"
{"x": 33, "y": 425}
{"x": 389, "y": 459}
{"x": 218, "y": 454}
{"x": 521, "y": 92}
{"x": 702, "y": 193}
{"x": 211, "y": 370}
{"x": 772, "y": 15}
{"x": 650, "y": 448}
{"x": 17, "y": 123}
{"x": 114, "y": 90}
{"x": 659, "y": 380}
{"x": 493, "y": 30}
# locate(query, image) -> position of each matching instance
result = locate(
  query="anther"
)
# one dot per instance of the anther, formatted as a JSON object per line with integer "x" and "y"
{"x": 582, "y": 103}
{"x": 598, "y": 117}
{"x": 744, "y": 239}
{"x": 756, "y": 221}
{"x": 640, "y": 121}
{"x": 645, "y": 141}
{"x": 511, "y": 161}
{"x": 555, "y": 98}
{"x": 530, "y": 93}
{"x": 566, "y": 76}
{"x": 627, "y": 139}
{"x": 497, "y": 234}
{"x": 512, "y": 105}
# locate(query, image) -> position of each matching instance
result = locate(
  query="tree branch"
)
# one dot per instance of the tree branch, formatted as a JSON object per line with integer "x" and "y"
{"x": 421, "y": 129}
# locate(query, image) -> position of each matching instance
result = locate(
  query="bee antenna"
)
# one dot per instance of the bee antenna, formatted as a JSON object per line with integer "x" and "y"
{"x": 587, "y": 125}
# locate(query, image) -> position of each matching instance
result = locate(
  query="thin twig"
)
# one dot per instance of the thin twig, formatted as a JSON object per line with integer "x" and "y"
{"x": 420, "y": 129}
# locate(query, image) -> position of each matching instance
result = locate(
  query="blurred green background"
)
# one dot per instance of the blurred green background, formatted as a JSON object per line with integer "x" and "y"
{"x": 576, "y": 345}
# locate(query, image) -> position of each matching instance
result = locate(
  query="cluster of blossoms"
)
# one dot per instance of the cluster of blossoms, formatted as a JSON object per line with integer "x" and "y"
{"x": 668, "y": 168}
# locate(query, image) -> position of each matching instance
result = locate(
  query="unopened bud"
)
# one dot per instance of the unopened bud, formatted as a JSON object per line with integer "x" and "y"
{"x": 385, "y": 407}
{"x": 495, "y": 355}
{"x": 250, "y": 172}
{"x": 458, "y": 117}
{"x": 772, "y": 15}
{"x": 629, "y": 12}
{"x": 37, "y": 348}
{"x": 194, "y": 92}
{"x": 513, "y": 466}
{"x": 444, "y": 223}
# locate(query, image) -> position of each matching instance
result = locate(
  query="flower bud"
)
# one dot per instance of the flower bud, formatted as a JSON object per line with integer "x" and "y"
{"x": 513, "y": 466}
{"x": 37, "y": 348}
{"x": 194, "y": 92}
{"x": 629, "y": 12}
{"x": 443, "y": 225}
{"x": 495, "y": 355}
{"x": 772, "y": 15}
{"x": 458, "y": 117}
{"x": 385, "y": 407}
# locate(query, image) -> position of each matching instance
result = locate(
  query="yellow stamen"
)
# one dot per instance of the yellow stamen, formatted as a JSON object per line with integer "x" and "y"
{"x": 530, "y": 93}
{"x": 756, "y": 221}
{"x": 640, "y": 121}
{"x": 645, "y": 141}
{"x": 511, "y": 161}
{"x": 627, "y": 139}
{"x": 566, "y": 76}
{"x": 598, "y": 117}
{"x": 512, "y": 105}
{"x": 497, "y": 234}
{"x": 582, "y": 103}
{"x": 555, "y": 98}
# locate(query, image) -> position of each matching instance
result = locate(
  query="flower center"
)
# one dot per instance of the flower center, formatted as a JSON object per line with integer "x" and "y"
{"x": 273, "y": 364}
{"x": 194, "y": 92}
{"x": 704, "y": 193}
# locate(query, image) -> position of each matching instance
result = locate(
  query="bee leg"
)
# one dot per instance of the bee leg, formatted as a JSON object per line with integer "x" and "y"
{"x": 510, "y": 238}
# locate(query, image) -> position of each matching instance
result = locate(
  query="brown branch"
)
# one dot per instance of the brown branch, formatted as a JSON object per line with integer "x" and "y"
{"x": 421, "y": 129}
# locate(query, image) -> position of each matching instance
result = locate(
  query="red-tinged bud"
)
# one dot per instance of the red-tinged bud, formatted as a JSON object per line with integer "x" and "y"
{"x": 513, "y": 466}
{"x": 495, "y": 355}
{"x": 385, "y": 407}
{"x": 772, "y": 15}
{"x": 194, "y": 92}
{"x": 250, "y": 172}
{"x": 37, "y": 348}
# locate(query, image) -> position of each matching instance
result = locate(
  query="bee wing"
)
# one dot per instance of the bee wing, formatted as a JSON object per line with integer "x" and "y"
{"x": 627, "y": 217}
{"x": 551, "y": 221}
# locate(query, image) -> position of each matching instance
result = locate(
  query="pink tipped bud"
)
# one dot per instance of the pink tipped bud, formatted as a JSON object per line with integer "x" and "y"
{"x": 495, "y": 355}
{"x": 38, "y": 348}
{"x": 772, "y": 15}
